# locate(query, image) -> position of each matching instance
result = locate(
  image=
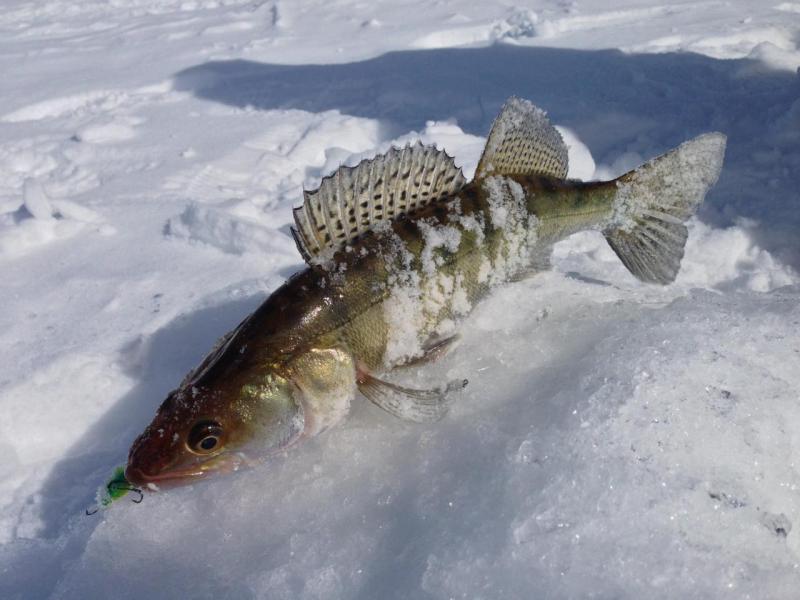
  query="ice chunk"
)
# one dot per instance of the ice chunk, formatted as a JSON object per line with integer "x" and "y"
{"x": 36, "y": 201}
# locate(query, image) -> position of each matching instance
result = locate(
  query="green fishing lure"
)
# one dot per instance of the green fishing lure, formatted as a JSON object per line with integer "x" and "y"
{"x": 117, "y": 487}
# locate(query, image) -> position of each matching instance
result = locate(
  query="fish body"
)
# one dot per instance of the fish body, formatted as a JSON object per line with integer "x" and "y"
{"x": 395, "y": 291}
{"x": 400, "y": 249}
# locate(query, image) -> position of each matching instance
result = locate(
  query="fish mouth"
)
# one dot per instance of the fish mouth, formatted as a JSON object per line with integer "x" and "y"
{"x": 165, "y": 479}
{"x": 182, "y": 476}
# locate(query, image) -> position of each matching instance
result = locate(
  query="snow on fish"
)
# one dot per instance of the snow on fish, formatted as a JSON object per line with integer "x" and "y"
{"x": 399, "y": 250}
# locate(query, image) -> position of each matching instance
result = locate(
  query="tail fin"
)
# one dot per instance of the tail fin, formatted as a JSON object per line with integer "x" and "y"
{"x": 653, "y": 202}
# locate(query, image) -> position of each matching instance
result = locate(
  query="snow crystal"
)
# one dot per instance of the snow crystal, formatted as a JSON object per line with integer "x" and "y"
{"x": 403, "y": 310}
{"x": 472, "y": 224}
{"x": 498, "y": 207}
{"x": 508, "y": 213}
{"x": 437, "y": 237}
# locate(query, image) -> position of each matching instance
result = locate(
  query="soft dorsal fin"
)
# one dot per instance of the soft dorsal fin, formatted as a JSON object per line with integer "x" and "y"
{"x": 355, "y": 199}
{"x": 523, "y": 142}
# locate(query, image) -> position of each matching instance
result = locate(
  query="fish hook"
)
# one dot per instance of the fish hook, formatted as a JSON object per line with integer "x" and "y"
{"x": 111, "y": 488}
{"x": 128, "y": 488}
{"x": 138, "y": 491}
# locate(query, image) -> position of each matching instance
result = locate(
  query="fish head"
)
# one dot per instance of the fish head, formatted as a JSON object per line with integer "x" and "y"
{"x": 218, "y": 424}
{"x": 203, "y": 430}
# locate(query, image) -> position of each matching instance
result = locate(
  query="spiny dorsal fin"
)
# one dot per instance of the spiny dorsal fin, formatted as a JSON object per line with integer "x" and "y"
{"x": 355, "y": 199}
{"x": 523, "y": 142}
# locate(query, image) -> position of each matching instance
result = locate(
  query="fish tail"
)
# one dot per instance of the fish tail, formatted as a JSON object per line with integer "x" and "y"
{"x": 653, "y": 202}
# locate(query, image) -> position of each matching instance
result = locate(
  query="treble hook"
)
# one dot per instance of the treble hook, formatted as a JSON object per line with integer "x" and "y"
{"x": 111, "y": 488}
{"x": 118, "y": 485}
{"x": 133, "y": 489}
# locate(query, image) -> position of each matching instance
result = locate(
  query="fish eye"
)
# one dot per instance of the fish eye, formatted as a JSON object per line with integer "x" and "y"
{"x": 205, "y": 437}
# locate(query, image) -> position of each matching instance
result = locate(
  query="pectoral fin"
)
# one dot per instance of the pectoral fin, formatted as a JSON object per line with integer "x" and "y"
{"x": 419, "y": 406}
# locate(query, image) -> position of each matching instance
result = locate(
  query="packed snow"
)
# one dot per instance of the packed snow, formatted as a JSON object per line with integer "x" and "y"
{"x": 616, "y": 440}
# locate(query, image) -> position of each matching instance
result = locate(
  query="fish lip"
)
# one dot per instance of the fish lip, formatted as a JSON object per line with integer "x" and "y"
{"x": 226, "y": 464}
{"x": 138, "y": 477}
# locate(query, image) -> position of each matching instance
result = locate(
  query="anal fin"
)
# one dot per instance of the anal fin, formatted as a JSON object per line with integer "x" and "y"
{"x": 418, "y": 406}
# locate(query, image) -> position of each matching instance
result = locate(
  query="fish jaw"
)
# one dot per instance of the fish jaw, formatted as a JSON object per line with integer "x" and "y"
{"x": 224, "y": 464}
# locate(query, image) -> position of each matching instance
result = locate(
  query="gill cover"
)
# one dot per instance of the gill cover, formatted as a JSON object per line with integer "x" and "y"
{"x": 324, "y": 381}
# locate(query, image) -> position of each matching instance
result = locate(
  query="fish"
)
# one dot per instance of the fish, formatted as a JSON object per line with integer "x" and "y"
{"x": 399, "y": 249}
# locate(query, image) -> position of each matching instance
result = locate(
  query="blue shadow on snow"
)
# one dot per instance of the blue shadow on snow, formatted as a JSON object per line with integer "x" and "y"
{"x": 615, "y": 102}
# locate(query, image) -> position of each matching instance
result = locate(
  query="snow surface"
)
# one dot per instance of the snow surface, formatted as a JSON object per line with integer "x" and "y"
{"x": 616, "y": 440}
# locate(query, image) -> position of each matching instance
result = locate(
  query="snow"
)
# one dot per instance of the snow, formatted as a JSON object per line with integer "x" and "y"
{"x": 615, "y": 440}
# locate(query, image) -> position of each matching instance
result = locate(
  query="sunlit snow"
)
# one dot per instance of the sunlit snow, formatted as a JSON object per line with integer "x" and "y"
{"x": 616, "y": 439}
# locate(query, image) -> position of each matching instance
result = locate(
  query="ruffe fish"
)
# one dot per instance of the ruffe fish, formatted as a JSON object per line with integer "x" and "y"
{"x": 399, "y": 249}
